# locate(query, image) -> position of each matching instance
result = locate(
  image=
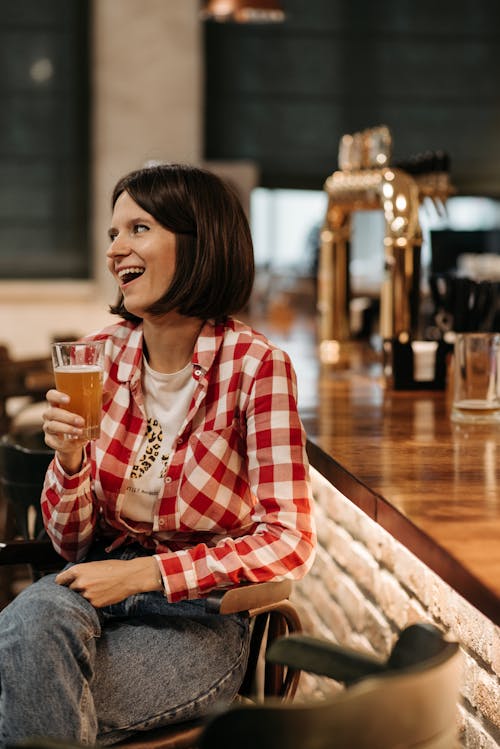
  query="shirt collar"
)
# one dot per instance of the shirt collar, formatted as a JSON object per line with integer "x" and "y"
{"x": 130, "y": 359}
{"x": 205, "y": 350}
{"x": 207, "y": 344}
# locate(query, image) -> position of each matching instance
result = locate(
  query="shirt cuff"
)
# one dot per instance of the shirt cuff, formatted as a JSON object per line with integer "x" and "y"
{"x": 178, "y": 575}
{"x": 161, "y": 578}
{"x": 71, "y": 479}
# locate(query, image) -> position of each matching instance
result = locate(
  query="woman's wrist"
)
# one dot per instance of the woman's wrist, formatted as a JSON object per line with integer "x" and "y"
{"x": 147, "y": 573}
{"x": 71, "y": 463}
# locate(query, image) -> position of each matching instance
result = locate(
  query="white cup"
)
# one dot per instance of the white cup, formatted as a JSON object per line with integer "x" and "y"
{"x": 424, "y": 360}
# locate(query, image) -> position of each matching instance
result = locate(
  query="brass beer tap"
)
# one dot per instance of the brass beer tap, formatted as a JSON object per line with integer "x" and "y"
{"x": 365, "y": 181}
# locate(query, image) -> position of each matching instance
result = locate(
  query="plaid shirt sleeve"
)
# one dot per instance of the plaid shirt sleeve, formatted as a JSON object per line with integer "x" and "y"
{"x": 281, "y": 542}
{"x": 69, "y": 510}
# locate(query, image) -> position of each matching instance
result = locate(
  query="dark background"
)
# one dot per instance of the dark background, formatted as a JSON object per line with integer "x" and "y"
{"x": 44, "y": 140}
{"x": 284, "y": 94}
{"x": 280, "y": 95}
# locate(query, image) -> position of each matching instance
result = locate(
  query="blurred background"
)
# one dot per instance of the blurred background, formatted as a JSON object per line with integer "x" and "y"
{"x": 91, "y": 90}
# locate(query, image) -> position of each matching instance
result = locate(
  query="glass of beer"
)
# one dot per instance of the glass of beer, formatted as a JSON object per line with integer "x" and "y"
{"x": 476, "y": 378}
{"x": 78, "y": 372}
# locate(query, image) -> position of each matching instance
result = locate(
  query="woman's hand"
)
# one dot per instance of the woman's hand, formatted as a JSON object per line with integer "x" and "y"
{"x": 110, "y": 581}
{"x": 63, "y": 431}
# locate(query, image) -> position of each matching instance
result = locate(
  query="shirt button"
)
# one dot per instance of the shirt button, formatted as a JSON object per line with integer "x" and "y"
{"x": 197, "y": 372}
{"x": 168, "y": 479}
{"x": 180, "y": 440}
{"x": 162, "y": 522}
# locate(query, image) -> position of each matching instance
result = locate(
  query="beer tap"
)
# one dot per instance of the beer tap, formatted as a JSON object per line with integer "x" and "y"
{"x": 366, "y": 181}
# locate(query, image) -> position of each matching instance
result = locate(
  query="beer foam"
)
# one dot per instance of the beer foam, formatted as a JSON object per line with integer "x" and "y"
{"x": 78, "y": 368}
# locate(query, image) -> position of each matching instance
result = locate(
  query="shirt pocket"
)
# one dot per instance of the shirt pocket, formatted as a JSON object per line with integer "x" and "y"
{"x": 214, "y": 494}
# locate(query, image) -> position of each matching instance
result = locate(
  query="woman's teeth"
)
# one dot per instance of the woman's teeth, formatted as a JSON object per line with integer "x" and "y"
{"x": 128, "y": 274}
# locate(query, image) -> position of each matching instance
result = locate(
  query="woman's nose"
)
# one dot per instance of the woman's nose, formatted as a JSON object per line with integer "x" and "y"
{"x": 117, "y": 246}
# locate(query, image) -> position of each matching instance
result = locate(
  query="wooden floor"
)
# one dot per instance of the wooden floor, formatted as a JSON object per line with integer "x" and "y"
{"x": 433, "y": 484}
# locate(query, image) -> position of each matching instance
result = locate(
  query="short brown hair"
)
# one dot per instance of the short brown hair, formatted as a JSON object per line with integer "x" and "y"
{"x": 214, "y": 269}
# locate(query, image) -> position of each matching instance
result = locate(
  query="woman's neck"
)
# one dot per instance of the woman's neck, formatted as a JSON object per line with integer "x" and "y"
{"x": 170, "y": 341}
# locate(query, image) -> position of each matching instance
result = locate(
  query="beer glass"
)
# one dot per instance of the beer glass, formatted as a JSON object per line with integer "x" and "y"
{"x": 78, "y": 372}
{"x": 476, "y": 378}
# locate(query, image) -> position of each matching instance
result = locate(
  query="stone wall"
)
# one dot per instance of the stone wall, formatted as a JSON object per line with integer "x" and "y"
{"x": 365, "y": 587}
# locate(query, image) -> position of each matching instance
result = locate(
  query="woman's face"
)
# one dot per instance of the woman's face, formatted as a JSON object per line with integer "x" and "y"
{"x": 141, "y": 255}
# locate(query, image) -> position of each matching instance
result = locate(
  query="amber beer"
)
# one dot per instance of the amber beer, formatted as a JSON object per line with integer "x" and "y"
{"x": 477, "y": 408}
{"x": 83, "y": 384}
{"x": 78, "y": 372}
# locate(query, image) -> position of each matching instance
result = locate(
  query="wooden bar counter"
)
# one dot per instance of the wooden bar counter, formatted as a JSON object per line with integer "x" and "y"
{"x": 434, "y": 485}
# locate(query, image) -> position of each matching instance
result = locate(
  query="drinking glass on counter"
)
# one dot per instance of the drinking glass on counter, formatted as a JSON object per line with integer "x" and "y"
{"x": 476, "y": 396}
{"x": 78, "y": 372}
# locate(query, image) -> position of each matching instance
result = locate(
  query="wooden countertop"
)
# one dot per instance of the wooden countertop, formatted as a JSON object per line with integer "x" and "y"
{"x": 434, "y": 485}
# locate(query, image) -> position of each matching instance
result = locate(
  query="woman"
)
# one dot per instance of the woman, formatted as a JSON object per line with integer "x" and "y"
{"x": 198, "y": 480}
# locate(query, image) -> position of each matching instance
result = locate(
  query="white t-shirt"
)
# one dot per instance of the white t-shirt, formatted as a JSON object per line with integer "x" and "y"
{"x": 167, "y": 398}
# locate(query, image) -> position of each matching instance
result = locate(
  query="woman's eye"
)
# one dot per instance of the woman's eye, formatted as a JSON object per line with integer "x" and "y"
{"x": 139, "y": 228}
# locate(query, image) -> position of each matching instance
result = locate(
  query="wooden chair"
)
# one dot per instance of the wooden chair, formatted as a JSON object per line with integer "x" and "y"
{"x": 21, "y": 378}
{"x": 22, "y": 471}
{"x": 408, "y": 701}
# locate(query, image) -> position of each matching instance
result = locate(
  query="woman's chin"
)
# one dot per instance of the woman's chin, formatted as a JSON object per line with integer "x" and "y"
{"x": 134, "y": 309}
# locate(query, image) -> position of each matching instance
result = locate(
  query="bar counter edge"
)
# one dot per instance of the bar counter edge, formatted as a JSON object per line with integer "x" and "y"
{"x": 381, "y": 510}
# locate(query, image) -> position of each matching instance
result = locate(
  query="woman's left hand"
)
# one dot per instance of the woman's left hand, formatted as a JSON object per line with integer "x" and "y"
{"x": 110, "y": 581}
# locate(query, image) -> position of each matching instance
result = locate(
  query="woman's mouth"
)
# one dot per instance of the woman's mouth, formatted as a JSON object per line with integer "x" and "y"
{"x": 127, "y": 275}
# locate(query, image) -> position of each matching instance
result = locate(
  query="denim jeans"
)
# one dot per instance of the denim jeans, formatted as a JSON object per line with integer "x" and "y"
{"x": 70, "y": 671}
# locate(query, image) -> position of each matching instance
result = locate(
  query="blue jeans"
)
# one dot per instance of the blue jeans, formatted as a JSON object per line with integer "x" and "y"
{"x": 70, "y": 671}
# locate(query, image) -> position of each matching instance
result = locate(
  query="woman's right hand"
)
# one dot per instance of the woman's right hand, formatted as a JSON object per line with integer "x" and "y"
{"x": 63, "y": 431}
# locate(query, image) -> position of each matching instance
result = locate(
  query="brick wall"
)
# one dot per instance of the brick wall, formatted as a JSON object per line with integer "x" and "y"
{"x": 365, "y": 587}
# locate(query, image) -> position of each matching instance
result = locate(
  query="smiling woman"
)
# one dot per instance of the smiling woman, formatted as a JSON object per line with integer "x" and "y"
{"x": 141, "y": 256}
{"x": 198, "y": 481}
{"x": 214, "y": 265}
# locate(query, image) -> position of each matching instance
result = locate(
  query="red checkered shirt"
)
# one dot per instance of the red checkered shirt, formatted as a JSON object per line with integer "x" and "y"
{"x": 235, "y": 504}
